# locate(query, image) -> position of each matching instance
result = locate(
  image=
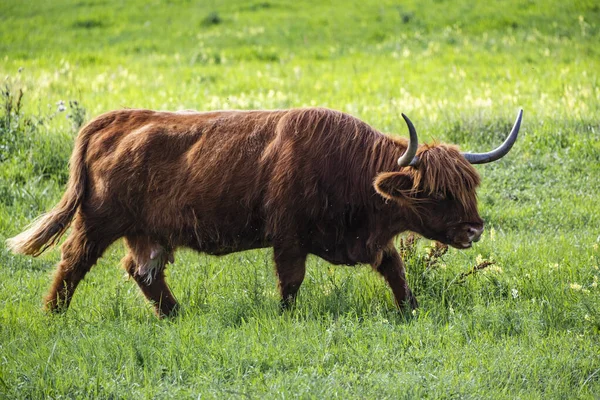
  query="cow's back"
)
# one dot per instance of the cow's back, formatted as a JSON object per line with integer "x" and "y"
{"x": 178, "y": 174}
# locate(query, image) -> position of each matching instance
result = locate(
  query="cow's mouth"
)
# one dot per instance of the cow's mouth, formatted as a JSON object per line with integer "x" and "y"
{"x": 461, "y": 245}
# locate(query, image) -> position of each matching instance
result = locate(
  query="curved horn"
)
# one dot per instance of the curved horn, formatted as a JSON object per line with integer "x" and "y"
{"x": 408, "y": 158}
{"x": 482, "y": 158}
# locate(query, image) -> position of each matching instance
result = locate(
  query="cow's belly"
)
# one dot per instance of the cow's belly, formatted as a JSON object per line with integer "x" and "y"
{"x": 350, "y": 253}
{"x": 221, "y": 249}
{"x": 334, "y": 257}
{"x": 224, "y": 242}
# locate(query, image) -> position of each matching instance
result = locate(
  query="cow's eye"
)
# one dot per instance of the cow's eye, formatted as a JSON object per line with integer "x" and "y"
{"x": 438, "y": 196}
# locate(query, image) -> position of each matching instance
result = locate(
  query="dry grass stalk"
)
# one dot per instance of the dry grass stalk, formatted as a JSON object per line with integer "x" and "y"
{"x": 435, "y": 253}
{"x": 407, "y": 246}
{"x": 483, "y": 265}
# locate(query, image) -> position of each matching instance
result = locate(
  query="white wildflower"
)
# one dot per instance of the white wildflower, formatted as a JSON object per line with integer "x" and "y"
{"x": 514, "y": 292}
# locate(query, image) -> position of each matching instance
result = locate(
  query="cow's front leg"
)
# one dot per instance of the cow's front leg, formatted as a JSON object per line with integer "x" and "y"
{"x": 392, "y": 269}
{"x": 290, "y": 265}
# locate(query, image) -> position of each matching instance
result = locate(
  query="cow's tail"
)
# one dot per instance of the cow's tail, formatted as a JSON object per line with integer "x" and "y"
{"x": 48, "y": 228}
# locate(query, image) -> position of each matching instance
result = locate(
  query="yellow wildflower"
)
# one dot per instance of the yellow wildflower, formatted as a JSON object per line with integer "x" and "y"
{"x": 479, "y": 259}
{"x": 495, "y": 268}
{"x": 575, "y": 286}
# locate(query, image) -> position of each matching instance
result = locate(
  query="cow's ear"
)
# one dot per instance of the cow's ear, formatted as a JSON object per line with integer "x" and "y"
{"x": 394, "y": 185}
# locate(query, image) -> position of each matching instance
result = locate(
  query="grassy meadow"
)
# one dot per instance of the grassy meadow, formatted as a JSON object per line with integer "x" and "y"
{"x": 526, "y": 326}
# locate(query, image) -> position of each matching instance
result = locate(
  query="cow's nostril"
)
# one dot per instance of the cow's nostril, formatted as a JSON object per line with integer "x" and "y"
{"x": 474, "y": 233}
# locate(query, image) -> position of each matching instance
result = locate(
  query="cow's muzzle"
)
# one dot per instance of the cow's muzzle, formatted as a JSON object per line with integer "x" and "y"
{"x": 467, "y": 235}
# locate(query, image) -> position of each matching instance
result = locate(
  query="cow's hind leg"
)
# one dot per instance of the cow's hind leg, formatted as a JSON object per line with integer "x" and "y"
{"x": 80, "y": 252}
{"x": 145, "y": 263}
{"x": 290, "y": 265}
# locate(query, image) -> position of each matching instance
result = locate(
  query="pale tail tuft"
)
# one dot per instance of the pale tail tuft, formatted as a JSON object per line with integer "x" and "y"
{"x": 41, "y": 234}
{"x": 47, "y": 229}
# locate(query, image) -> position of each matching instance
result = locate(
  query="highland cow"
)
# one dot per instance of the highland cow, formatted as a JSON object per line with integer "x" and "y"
{"x": 302, "y": 181}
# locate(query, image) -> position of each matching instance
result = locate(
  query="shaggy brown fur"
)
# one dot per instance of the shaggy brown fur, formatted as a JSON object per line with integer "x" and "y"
{"x": 303, "y": 181}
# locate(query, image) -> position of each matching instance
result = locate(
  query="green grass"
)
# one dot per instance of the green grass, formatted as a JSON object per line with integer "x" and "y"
{"x": 526, "y": 327}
